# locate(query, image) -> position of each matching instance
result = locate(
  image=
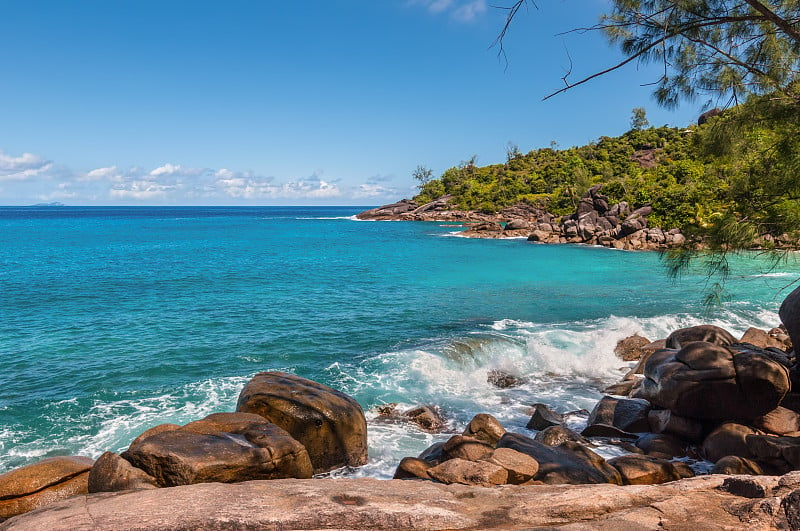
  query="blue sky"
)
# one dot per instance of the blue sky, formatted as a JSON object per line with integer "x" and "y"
{"x": 322, "y": 102}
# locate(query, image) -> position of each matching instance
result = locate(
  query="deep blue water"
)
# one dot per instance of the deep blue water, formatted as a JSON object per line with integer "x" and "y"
{"x": 113, "y": 320}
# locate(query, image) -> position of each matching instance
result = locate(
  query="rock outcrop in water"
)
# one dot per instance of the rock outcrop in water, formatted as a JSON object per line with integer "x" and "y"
{"x": 594, "y": 222}
{"x": 328, "y": 423}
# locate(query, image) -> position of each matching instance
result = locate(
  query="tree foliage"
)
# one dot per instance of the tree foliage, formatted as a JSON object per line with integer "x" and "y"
{"x": 725, "y": 49}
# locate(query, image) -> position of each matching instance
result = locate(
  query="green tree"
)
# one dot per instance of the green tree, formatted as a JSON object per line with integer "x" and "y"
{"x": 639, "y": 119}
{"x": 422, "y": 175}
{"x": 726, "y": 49}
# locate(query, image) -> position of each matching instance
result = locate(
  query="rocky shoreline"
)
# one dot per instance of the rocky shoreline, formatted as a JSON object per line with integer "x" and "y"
{"x": 699, "y": 394}
{"x": 594, "y": 222}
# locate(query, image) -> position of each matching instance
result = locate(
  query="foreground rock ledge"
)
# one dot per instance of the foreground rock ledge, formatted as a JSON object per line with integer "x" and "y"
{"x": 397, "y": 504}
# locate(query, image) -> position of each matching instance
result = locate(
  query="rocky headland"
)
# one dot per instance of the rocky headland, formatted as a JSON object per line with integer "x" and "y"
{"x": 594, "y": 222}
{"x": 706, "y": 428}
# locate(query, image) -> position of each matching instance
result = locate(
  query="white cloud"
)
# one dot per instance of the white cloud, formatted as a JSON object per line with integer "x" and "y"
{"x": 176, "y": 170}
{"x": 141, "y": 190}
{"x": 469, "y": 11}
{"x": 372, "y": 190}
{"x": 245, "y": 185}
{"x": 312, "y": 187}
{"x": 102, "y": 174}
{"x": 460, "y": 10}
{"x": 23, "y": 167}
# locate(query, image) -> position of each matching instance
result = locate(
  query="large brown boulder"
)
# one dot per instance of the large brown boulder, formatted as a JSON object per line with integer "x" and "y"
{"x": 627, "y": 414}
{"x": 727, "y": 439}
{"x": 223, "y": 447}
{"x": 112, "y": 473}
{"x": 30, "y": 487}
{"x": 413, "y": 468}
{"x": 707, "y": 381}
{"x": 769, "y": 447}
{"x": 761, "y": 339}
{"x": 463, "y": 447}
{"x": 556, "y": 435}
{"x": 543, "y": 417}
{"x": 520, "y": 467}
{"x": 466, "y": 472}
{"x": 630, "y": 348}
{"x": 661, "y": 445}
{"x": 665, "y": 421}
{"x": 707, "y": 333}
{"x": 486, "y": 428}
{"x": 330, "y": 424}
{"x": 427, "y": 418}
{"x": 780, "y": 421}
{"x": 570, "y": 462}
{"x": 790, "y": 315}
{"x": 645, "y": 470}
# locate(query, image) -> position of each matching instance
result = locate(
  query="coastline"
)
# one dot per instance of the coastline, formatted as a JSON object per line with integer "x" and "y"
{"x": 594, "y": 222}
{"x": 459, "y": 372}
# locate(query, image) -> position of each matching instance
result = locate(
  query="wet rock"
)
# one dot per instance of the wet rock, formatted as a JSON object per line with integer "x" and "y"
{"x": 569, "y": 463}
{"x": 661, "y": 445}
{"x": 112, "y": 473}
{"x": 223, "y": 447}
{"x": 556, "y": 435}
{"x": 707, "y": 381}
{"x": 502, "y": 379}
{"x": 412, "y": 468}
{"x": 706, "y": 333}
{"x": 486, "y": 428}
{"x": 630, "y": 348}
{"x": 330, "y": 424}
{"x": 665, "y": 421}
{"x": 627, "y": 414}
{"x": 727, "y": 439}
{"x": 36, "y": 485}
{"x": 644, "y": 470}
{"x": 520, "y": 467}
{"x": 461, "y": 447}
{"x": 428, "y": 418}
{"x": 465, "y": 472}
{"x": 543, "y": 417}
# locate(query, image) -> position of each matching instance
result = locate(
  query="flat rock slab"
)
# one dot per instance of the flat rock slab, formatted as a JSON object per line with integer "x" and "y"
{"x": 396, "y": 504}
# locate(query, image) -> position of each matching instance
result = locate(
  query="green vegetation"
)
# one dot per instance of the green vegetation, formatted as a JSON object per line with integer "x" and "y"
{"x": 729, "y": 180}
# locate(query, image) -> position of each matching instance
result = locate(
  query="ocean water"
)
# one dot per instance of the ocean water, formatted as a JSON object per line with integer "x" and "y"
{"x": 114, "y": 320}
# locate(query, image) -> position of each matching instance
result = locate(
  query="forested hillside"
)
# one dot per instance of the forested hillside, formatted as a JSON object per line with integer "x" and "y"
{"x": 733, "y": 178}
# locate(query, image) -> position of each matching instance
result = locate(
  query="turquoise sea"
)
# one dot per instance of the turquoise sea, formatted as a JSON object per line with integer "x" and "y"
{"x": 113, "y": 320}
